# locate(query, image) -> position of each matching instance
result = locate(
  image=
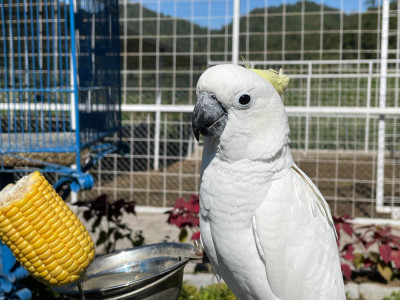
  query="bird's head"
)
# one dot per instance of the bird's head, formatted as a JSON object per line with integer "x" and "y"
{"x": 243, "y": 109}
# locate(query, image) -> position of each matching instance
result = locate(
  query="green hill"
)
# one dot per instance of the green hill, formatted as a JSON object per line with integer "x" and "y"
{"x": 263, "y": 27}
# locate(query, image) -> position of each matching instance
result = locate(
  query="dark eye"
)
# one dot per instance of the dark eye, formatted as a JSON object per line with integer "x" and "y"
{"x": 244, "y": 99}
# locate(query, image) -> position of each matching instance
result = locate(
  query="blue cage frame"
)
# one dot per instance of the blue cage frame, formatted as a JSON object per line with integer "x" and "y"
{"x": 59, "y": 86}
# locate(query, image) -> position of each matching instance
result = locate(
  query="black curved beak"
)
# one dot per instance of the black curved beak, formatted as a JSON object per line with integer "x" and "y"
{"x": 209, "y": 117}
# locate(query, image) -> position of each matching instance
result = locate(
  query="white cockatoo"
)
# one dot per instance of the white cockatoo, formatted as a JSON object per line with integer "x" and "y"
{"x": 265, "y": 227}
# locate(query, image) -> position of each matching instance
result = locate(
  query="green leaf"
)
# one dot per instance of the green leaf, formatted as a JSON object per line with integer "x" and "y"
{"x": 358, "y": 260}
{"x": 183, "y": 235}
{"x": 108, "y": 247}
{"x": 110, "y": 231}
{"x": 385, "y": 271}
{"x": 102, "y": 238}
{"x": 139, "y": 239}
{"x": 122, "y": 226}
{"x": 96, "y": 223}
{"x": 373, "y": 256}
{"x": 118, "y": 235}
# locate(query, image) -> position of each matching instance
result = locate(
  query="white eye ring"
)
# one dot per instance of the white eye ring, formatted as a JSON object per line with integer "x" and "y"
{"x": 244, "y": 100}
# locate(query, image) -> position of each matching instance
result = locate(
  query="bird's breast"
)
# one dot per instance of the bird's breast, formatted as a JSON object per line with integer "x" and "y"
{"x": 229, "y": 193}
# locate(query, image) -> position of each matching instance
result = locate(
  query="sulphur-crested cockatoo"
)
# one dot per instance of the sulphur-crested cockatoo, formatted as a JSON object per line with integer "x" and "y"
{"x": 264, "y": 225}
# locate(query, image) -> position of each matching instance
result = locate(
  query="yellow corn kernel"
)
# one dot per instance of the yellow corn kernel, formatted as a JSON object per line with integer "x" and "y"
{"x": 31, "y": 235}
{"x": 46, "y": 255}
{"x": 52, "y": 238}
{"x": 37, "y": 263}
{"x": 83, "y": 258}
{"x": 64, "y": 259}
{"x": 75, "y": 247}
{"x": 14, "y": 238}
{"x": 62, "y": 276}
{"x": 70, "y": 243}
{"x": 57, "y": 271}
{"x": 31, "y": 213}
{"x": 12, "y": 212}
{"x": 30, "y": 269}
{"x": 18, "y": 221}
{"x": 68, "y": 264}
{"x": 61, "y": 253}
{"x": 63, "y": 233}
{"x": 43, "y": 274}
{"x": 23, "y": 203}
{"x": 43, "y": 233}
{"x": 42, "y": 249}
{"x": 73, "y": 267}
{"x": 26, "y": 229}
{"x": 7, "y": 228}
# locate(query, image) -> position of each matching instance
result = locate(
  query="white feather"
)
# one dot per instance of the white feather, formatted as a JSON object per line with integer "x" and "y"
{"x": 302, "y": 260}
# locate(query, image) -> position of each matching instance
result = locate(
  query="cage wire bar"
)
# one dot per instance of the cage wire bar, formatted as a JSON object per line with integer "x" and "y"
{"x": 331, "y": 51}
{"x": 59, "y": 85}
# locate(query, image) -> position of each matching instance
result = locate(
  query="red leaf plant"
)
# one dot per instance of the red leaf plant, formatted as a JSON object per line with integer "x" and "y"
{"x": 368, "y": 250}
{"x": 185, "y": 214}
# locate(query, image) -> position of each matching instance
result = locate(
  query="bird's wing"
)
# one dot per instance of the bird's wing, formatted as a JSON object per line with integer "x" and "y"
{"x": 319, "y": 200}
{"x": 296, "y": 239}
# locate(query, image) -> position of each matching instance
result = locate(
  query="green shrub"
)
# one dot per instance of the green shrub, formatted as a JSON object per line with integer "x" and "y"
{"x": 393, "y": 296}
{"x": 217, "y": 291}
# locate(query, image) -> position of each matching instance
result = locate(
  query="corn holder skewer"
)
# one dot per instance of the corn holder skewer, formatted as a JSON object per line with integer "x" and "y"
{"x": 45, "y": 236}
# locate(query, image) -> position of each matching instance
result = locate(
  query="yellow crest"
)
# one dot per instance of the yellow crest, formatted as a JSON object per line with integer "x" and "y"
{"x": 279, "y": 80}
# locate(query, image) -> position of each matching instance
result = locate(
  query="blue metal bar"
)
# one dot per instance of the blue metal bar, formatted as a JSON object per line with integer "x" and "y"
{"x": 27, "y": 71}
{"x": 57, "y": 149}
{"x": 55, "y": 69}
{"x": 5, "y": 64}
{"x": 34, "y": 70}
{"x": 39, "y": 24}
{"x": 20, "y": 75}
{"x": 48, "y": 64}
{"x": 42, "y": 90}
{"x": 60, "y": 64}
{"x": 67, "y": 54}
{"x": 73, "y": 50}
{"x": 12, "y": 69}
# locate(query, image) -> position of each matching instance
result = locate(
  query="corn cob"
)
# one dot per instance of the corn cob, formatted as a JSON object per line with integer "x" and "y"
{"x": 45, "y": 236}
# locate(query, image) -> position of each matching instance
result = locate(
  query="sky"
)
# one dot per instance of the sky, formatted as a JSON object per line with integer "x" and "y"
{"x": 221, "y": 10}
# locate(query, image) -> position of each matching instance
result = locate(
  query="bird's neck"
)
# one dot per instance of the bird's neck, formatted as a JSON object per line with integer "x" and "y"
{"x": 261, "y": 169}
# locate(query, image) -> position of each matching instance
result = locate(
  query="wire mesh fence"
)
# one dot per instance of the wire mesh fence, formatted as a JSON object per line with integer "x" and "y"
{"x": 167, "y": 44}
{"x": 337, "y": 162}
{"x": 133, "y": 176}
{"x": 332, "y": 52}
{"x": 330, "y": 49}
{"x": 59, "y": 79}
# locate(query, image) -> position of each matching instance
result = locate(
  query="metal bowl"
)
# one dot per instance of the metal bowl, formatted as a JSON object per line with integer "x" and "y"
{"x": 148, "y": 272}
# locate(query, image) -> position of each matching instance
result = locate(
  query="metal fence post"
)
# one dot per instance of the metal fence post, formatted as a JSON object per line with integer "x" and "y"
{"x": 235, "y": 31}
{"x": 157, "y": 132}
{"x": 368, "y": 104}
{"x": 380, "y": 178}
{"x": 74, "y": 102}
{"x": 308, "y": 97}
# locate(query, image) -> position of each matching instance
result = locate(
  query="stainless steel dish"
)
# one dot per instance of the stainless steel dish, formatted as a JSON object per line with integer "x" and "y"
{"x": 151, "y": 272}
